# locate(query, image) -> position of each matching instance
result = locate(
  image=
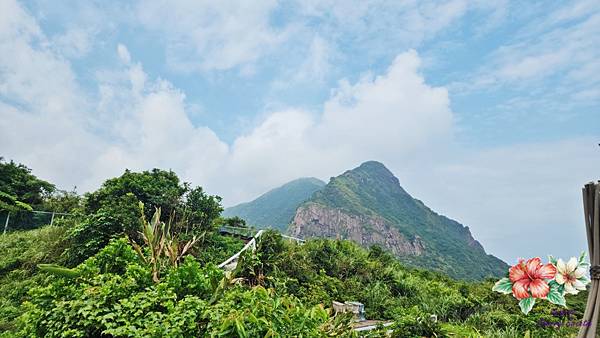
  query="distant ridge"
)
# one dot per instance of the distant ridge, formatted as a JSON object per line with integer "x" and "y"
{"x": 277, "y": 207}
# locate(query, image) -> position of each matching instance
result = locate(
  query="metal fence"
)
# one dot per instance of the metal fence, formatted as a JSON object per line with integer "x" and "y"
{"x": 25, "y": 220}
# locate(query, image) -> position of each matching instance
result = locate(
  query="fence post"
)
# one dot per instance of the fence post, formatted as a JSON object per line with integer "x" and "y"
{"x": 6, "y": 223}
{"x": 52, "y": 219}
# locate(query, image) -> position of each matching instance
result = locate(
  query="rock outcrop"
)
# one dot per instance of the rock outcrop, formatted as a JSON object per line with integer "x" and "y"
{"x": 315, "y": 220}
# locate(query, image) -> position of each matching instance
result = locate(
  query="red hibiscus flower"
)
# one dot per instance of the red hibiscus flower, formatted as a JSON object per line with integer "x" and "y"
{"x": 531, "y": 276}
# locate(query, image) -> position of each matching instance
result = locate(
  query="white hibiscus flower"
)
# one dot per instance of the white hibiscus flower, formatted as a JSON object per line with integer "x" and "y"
{"x": 571, "y": 275}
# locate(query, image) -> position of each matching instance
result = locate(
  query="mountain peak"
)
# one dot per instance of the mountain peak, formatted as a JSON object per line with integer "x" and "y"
{"x": 372, "y": 164}
{"x": 373, "y": 167}
{"x": 309, "y": 180}
{"x": 367, "y": 204}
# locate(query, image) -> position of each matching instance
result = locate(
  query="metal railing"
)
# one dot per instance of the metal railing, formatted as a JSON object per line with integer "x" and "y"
{"x": 231, "y": 262}
{"x": 238, "y": 231}
{"x": 25, "y": 219}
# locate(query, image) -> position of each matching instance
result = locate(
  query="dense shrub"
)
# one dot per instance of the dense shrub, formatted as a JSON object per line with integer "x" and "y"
{"x": 416, "y": 323}
{"x": 20, "y": 252}
{"x": 216, "y": 248}
{"x": 114, "y": 295}
{"x": 284, "y": 289}
{"x": 421, "y": 303}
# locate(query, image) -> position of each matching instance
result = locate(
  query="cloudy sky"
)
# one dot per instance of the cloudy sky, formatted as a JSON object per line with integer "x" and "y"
{"x": 488, "y": 111}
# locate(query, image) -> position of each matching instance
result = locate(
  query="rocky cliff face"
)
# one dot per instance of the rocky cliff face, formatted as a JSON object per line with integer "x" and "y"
{"x": 315, "y": 220}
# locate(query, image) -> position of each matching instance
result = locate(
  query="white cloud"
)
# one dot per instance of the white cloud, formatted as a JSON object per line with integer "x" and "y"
{"x": 380, "y": 24}
{"x": 317, "y": 63}
{"x": 43, "y": 113}
{"x": 398, "y": 104}
{"x": 139, "y": 122}
{"x": 70, "y": 140}
{"x": 74, "y": 43}
{"x": 123, "y": 53}
{"x": 563, "y": 46}
{"x": 208, "y": 35}
{"x": 391, "y": 117}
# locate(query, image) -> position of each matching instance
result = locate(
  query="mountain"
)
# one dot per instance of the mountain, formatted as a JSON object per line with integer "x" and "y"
{"x": 276, "y": 208}
{"x": 368, "y": 205}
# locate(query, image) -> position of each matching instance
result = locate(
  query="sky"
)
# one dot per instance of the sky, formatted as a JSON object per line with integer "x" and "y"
{"x": 487, "y": 111}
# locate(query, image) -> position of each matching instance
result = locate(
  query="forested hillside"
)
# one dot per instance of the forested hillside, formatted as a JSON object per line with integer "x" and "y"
{"x": 276, "y": 208}
{"x": 139, "y": 259}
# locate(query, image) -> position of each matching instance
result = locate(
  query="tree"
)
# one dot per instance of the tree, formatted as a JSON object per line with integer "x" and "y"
{"x": 201, "y": 209}
{"x": 112, "y": 210}
{"x": 62, "y": 201}
{"x": 17, "y": 180}
{"x": 156, "y": 189}
{"x": 20, "y": 190}
{"x": 11, "y": 204}
{"x": 235, "y": 222}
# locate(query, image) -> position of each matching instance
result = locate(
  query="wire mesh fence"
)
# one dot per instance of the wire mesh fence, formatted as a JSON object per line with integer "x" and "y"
{"x": 25, "y": 220}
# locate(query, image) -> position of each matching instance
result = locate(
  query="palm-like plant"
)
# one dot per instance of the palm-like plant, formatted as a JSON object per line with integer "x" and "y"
{"x": 175, "y": 249}
{"x": 160, "y": 242}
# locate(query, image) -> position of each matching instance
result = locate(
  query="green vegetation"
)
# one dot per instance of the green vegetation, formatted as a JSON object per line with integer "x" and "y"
{"x": 321, "y": 271}
{"x": 17, "y": 180}
{"x": 21, "y": 192}
{"x": 372, "y": 190}
{"x": 276, "y": 208}
{"x": 113, "y": 210}
{"x": 20, "y": 252}
{"x": 152, "y": 271}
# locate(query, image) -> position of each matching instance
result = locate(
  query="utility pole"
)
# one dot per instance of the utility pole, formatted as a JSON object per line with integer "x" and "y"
{"x": 6, "y": 223}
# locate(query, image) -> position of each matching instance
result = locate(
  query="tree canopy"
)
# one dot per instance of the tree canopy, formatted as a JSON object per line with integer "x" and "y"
{"x": 17, "y": 180}
{"x": 114, "y": 210}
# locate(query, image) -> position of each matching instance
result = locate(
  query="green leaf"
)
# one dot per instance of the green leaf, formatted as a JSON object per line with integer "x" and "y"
{"x": 552, "y": 260}
{"x": 581, "y": 258}
{"x": 59, "y": 270}
{"x": 526, "y": 304}
{"x": 503, "y": 286}
{"x": 555, "y": 296}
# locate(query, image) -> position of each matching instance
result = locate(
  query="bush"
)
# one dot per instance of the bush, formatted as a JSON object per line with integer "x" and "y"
{"x": 20, "y": 252}
{"x": 216, "y": 248}
{"x": 114, "y": 295}
{"x": 415, "y": 323}
{"x": 259, "y": 312}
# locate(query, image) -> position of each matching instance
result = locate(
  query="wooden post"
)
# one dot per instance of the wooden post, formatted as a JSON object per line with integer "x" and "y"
{"x": 591, "y": 207}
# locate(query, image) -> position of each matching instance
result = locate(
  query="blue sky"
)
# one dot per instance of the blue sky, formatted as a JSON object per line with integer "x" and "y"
{"x": 488, "y": 111}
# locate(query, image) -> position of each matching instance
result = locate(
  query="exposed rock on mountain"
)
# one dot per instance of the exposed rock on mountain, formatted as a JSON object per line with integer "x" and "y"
{"x": 364, "y": 230}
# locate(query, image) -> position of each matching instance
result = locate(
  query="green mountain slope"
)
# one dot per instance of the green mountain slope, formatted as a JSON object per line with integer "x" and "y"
{"x": 276, "y": 208}
{"x": 368, "y": 205}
